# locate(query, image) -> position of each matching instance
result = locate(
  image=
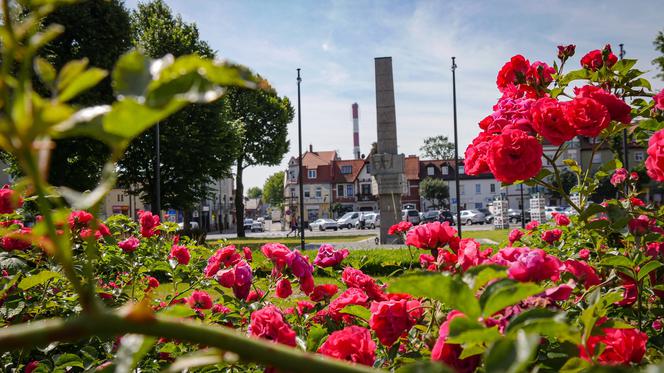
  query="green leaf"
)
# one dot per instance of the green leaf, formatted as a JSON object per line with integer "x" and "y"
{"x": 425, "y": 367}
{"x": 81, "y": 83}
{"x": 70, "y": 71}
{"x": 195, "y": 359}
{"x": 512, "y": 355}
{"x": 623, "y": 65}
{"x": 649, "y": 267}
{"x": 504, "y": 293}
{"x": 315, "y": 337}
{"x": 572, "y": 165}
{"x": 477, "y": 277}
{"x": 65, "y": 361}
{"x": 574, "y": 75}
{"x": 617, "y": 261}
{"x": 131, "y": 75}
{"x": 544, "y": 322}
{"x": 598, "y": 309}
{"x": 575, "y": 365}
{"x": 359, "y": 311}
{"x": 463, "y": 330}
{"x": 544, "y": 172}
{"x": 36, "y": 280}
{"x": 9, "y": 286}
{"x": 642, "y": 82}
{"x": 651, "y": 124}
{"x": 591, "y": 210}
{"x": 44, "y": 70}
{"x": 452, "y": 291}
{"x": 133, "y": 347}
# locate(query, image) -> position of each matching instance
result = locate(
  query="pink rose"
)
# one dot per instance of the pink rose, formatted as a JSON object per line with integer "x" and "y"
{"x": 659, "y": 100}
{"x": 328, "y": 257}
{"x": 268, "y": 323}
{"x": 284, "y": 289}
{"x": 618, "y": 177}
{"x": 180, "y": 254}
{"x": 655, "y": 161}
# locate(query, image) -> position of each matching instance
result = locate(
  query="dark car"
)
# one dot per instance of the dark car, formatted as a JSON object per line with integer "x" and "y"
{"x": 430, "y": 216}
{"x": 446, "y": 216}
{"x": 488, "y": 216}
{"x": 514, "y": 215}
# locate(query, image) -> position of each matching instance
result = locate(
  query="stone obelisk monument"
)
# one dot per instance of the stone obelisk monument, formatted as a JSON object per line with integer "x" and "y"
{"x": 386, "y": 164}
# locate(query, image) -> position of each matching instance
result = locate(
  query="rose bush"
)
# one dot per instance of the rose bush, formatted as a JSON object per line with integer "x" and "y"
{"x": 78, "y": 294}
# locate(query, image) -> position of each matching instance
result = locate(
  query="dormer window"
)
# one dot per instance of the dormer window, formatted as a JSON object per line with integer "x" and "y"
{"x": 311, "y": 174}
{"x": 431, "y": 171}
{"x": 346, "y": 170}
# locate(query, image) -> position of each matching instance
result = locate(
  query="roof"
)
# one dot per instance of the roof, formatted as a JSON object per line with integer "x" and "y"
{"x": 252, "y": 203}
{"x": 315, "y": 159}
{"x": 356, "y": 164}
{"x": 411, "y": 168}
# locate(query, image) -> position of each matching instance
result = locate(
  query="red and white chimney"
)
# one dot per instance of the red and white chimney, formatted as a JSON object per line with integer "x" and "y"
{"x": 356, "y": 131}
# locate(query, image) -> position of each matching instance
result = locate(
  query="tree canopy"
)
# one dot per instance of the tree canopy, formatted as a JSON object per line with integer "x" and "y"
{"x": 254, "y": 192}
{"x": 273, "y": 189}
{"x": 435, "y": 190}
{"x": 437, "y": 147}
{"x": 659, "y": 61}
{"x": 263, "y": 117}
{"x": 197, "y": 144}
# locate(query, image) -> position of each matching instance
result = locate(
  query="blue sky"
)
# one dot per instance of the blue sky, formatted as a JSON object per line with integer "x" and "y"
{"x": 335, "y": 43}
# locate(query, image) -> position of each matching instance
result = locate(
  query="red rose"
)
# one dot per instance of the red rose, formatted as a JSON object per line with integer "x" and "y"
{"x": 248, "y": 255}
{"x": 148, "y": 223}
{"x": 304, "y": 307}
{"x": 277, "y": 253}
{"x": 79, "y": 219}
{"x": 400, "y": 228}
{"x": 354, "y": 278}
{"x": 469, "y": 254}
{"x": 243, "y": 277}
{"x": 582, "y": 271}
{"x": 255, "y": 295}
{"x": 655, "y": 249}
{"x": 514, "y": 155}
{"x": 389, "y": 319}
{"x": 566, "y": 51}
{"x": 476, "y": 156}
{"x": 328, "y": 257}
{"x": 152, "y": 282}
{"x": 655, "y": 161}
{"x": 639, "y": 226}
{"x": 226, "y": 277}
{"x": 325, "y": 291}
{"x": 299, "y": 264}
{"x": 9, "y": 200}
{"x": 587, "y": 116}
{"x": 180, "y": 253}
{"x": 129, "y": 245}
{"x": 200, "y": 300}
{"x": 618, "y": 109}
{"x": 561, "y": 219}
{"x": 353, "y": 343}
{"x": 432, "y": 236}
{"x": 31, "y": 366}
{"x": 513, "y": 72}
{"x": 618, "y": 177}
{"x": 307, "y": 284}
{"x": 535, "y": 265}
{"x": 19, "y": 240}
{"x": 220, "y": 308}
{"x": 284, "y": 288}
{"x": 659, "y": 100}
{"x": 620, "y": 346}
{"x": 551, "y": 236}
{"x": 449, "y": 353}
{"x": 532, "y": 225}
{"x": 226, "y": 256}
{"x": 539, "y": 74}
{"x": 515, "y": 235}
{"x": 268, "y": 323}
{"x": 549, "y": 121}
{"x": 594, "y": 60}
{"x": 352, "y": 296}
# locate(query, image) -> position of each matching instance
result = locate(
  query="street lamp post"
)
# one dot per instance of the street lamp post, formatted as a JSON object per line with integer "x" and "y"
{"x": 157, "y": 173}
{"x": 299, "y": 140}
{"x": 456, "y": 148}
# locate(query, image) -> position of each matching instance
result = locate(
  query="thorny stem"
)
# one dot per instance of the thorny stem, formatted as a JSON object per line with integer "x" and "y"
{"x": 105, "y": 324}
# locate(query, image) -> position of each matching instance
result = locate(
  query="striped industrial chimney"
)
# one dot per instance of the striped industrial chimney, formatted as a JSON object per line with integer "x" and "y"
{"x": 356, "y": 131}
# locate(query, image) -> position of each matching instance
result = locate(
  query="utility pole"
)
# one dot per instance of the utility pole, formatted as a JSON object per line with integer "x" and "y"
{"x": 456, "y": 149}
{"x": 625, "y": 140}
{"x": 157, "y": 173}
{"x": 299, "y": 140}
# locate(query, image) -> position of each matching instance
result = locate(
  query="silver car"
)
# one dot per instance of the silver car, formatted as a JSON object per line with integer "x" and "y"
{"x": 470, "y": 217}
{"x": 323, "y": 225}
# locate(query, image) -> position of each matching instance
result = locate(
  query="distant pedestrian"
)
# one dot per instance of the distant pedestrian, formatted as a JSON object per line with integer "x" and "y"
{"x": 293, "y": 227}
{"x": 363, "y": 221}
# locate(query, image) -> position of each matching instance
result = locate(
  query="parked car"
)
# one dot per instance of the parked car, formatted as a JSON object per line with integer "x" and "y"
{"x": 446, "y": 216}
{"x": 373, "y": 221}
{"x": 488, "y": 216}
{"x": 570, "y": 211}
{"x": 348, "y": 220}
{"x": 413, "y": 216}
{"x": 247, "y": 224}
{"x": 470, "y": 217}
{"x": 324, "y": 224}
{"x": 431, "y": 216}
{"x": 514, "y": 215}
{"x": 549, "y": 210}
{"x": 367, "y": 216}
{"x": 257, "y": 226}
{"x": 192, "y": 225}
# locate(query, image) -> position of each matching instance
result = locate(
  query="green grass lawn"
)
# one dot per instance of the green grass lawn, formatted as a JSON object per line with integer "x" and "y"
{"x": 246, "y": 241}
{"x": 497, "y": 235}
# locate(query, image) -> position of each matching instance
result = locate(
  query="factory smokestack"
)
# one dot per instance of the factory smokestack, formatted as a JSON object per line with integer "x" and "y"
{"x": 356, "y": 131}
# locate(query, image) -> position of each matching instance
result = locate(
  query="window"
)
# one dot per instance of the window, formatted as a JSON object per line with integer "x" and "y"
{"x": 311, "y": 174}
{"x": 478, "y": 205}
{"x": 478, "y": 188}
{"x": 306, "y": 192}
{"x": 493, "y": 188}
{"x": 340, "y": 190}
{"x": 120, "y": 197}
{"x": 369, "y": 168}
{"x": 597, "y": 158}
{"x": 430, "y": 171}
{"x": 345, "y": 170}
{"x": 292, "y": 192}
{"x": 462, "y": 189}
{"x": 366, "y": 189}
{"x": 292, "y": 175}
{"x": 446, "y": 170}
{"x": 349, "y": 190}
{"x": 319, "y": 192}
{"x": 638, "y": 156}
{"x": 461, "y": 170}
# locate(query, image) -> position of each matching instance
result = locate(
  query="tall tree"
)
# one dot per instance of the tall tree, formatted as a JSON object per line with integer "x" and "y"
{"x": 273, "y": 189}
{"x": 435, "y": 190}
{"x": 264, "y": 118}
{"x": 659, "y": 47}
{"x": 99, "y": 31}
{"x": 254, "y": 192}
{"x": 196, "y": 144}
{"x": 437, "y": 147}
